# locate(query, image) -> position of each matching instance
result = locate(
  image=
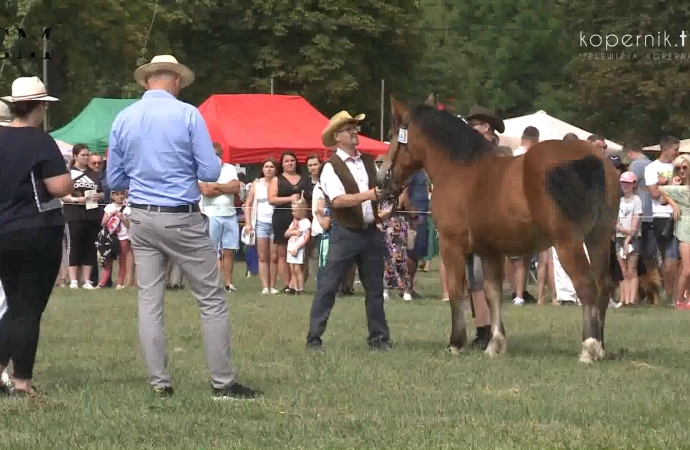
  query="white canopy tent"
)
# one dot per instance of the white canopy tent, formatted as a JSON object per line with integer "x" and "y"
{"x": 684, "y": 147}
{"x": 549, "y": 128}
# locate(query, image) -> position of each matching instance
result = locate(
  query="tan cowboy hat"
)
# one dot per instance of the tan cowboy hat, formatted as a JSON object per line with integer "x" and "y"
{"x": 27, "y": 89}
{"x": 488, "y": 116}
{"x": 337, "y": 121}
{"x": 164, "y": 62}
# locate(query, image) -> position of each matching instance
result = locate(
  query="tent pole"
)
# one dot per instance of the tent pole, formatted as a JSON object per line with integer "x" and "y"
{"x": 383, "y": 88}
{"x": 271, "y": 85}
{"x": 46, "y": 125}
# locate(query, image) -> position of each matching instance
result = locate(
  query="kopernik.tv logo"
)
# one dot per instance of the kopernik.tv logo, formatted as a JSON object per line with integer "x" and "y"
{"x": 660, "y": 45}
{"x": 661, "y": 40}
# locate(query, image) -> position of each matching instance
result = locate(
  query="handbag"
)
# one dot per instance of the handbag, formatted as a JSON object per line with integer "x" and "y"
{"x": 411, "y": 239}
{"x": 249, "y": 238}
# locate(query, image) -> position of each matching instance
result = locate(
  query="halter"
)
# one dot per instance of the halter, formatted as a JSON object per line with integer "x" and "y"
{"x": 401, "y": 142}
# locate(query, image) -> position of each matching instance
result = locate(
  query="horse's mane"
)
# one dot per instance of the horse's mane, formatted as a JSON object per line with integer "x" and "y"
{"x": 451, "y": 134}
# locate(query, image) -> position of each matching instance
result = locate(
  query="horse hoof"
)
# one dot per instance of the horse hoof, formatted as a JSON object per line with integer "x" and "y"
{"x": 454, "y": 350}
{"x": 497, "y": 346}
{"x": 592, "y": 351}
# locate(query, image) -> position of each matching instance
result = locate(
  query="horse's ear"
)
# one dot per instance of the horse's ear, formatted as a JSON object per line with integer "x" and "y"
{"x": 399, "y": 112}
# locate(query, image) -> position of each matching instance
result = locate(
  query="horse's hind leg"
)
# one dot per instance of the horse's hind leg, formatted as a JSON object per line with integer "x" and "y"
{"x": 598, "y": 244}
{"x": 574, "y": 260}
{"x": 454, "y": 260}
{"x": 493, "y": 288}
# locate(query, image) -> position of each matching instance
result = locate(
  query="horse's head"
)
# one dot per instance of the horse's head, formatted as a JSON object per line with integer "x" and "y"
{"x": 405, "y": 154}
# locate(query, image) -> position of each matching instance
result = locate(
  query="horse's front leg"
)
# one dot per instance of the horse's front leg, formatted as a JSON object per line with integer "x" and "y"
{"x": 493, "y": 289}
{"x": 454, "y": 261}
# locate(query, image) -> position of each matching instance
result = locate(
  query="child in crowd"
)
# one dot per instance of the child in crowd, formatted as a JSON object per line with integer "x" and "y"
{"x": 116, "y": 220}
{"x": 628, "y": 238}
{"x": 298, "y": 234}
{"x": 323, "y": 215}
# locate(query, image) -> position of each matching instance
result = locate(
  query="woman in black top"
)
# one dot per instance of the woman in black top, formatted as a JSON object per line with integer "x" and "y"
{"x": 287, "y": 187}
{"x": 32, "y": 175}
{"x": 83, "y": 223}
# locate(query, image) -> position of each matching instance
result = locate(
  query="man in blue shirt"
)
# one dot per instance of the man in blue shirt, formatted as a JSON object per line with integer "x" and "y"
{"x": 160, "y": 149}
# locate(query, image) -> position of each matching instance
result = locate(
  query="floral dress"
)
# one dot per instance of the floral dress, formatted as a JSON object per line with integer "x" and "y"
{"x": 395, "y": 227}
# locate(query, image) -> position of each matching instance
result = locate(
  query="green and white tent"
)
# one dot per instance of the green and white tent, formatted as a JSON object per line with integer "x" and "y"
{"x": 92, "y": 126}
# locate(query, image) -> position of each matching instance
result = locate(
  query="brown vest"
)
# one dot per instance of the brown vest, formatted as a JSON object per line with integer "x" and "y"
{"x": 352, "y": 217}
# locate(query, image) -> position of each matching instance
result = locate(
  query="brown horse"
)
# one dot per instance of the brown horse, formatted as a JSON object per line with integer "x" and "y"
{"x": 560, "y": 193}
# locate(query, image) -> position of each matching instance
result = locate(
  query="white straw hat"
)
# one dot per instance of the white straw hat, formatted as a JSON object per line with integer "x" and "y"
{"x": 26, "y": 89}
{"x": 164, "y": 62}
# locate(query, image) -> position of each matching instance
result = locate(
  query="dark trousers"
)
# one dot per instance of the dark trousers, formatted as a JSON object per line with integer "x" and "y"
{"x": 366, "y": 249}
{"x": 29, "y": 263}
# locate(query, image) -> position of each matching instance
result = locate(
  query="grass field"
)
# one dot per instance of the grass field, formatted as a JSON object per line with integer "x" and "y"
{"x": 415, "y": 397}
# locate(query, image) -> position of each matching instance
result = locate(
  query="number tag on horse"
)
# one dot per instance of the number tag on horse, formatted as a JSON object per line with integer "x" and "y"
{"x": 402, "y": 136}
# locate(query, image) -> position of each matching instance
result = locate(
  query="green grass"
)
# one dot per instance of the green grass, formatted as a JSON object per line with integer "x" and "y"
{"x": 417, "y": 396}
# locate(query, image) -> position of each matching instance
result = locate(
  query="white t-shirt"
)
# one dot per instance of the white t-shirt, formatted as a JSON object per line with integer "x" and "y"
{"x": 304, "y": 225}
{"x": 317, "y": 194}
{"x": 333, "y": 187}
{"x": 519, "y": 151}
{"x": 626, "y": 210}
{"x": 122, "y": 232}
{"x": 652, "y": 172}
{"x": 223, "y": 205}
{"x": 264, "y": 210}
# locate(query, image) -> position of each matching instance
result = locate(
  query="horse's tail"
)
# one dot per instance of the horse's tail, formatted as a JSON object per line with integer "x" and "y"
{"x": 579, "y": 188}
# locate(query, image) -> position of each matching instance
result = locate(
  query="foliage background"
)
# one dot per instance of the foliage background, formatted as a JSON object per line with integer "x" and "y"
{"x": 515, "y": 56}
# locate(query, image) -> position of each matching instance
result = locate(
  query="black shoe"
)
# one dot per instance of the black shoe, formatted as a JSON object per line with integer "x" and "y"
{"x": 163, "y": 391}
{"x": 236, "y": 392}
{"x": 382, "y": 345}
{"x": 480, "y": 343}
{"x": 4, "y": 390}
{"x": 529, "y": 298}
{"x": 346, "y": 292}
{"x": 315, "y": 344}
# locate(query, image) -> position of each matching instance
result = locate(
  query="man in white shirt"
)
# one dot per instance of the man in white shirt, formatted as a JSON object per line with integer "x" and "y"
{"x": 659, "y": 173}
{"x": 348, "y": 180}
{"x": 218, "y": 204}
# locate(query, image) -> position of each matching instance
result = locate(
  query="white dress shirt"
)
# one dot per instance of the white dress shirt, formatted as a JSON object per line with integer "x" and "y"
{"x": 333, "y": 187}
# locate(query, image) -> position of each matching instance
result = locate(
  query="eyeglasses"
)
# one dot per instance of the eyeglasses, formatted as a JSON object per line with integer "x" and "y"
{"x": 351, "y": 130}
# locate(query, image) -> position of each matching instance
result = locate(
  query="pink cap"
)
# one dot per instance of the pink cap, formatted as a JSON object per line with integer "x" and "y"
{"x": 628, "y": 177}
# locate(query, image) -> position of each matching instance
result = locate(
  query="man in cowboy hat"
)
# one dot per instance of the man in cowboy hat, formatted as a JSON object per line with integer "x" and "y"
{"x": 348, "y": 180}
{"x": 160, "y": 149}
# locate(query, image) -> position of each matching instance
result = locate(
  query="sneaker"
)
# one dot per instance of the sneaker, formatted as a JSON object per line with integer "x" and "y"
{"x": 407, "y": 297}
{"x": 163, "y": 391}
{"x": 517, "y": 301}
{"x": 230, "y": 288}
{"x": 265, "y": 291}
{"x": 119, "y": 287}
{"x": 275, "y": 291}
{"x": 74, "y": 284}
{"x": 619, "y": 304}
{"x": 386, "y": 295}
{"x": 235, "y": 392}
{"x": 87, "y": 285}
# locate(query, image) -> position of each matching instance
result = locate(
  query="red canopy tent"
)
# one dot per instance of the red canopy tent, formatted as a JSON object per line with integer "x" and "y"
{"x": 251, "y": 127}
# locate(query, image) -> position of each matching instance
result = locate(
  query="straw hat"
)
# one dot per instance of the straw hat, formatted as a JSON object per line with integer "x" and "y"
{"x": 337, "y": 121}
{"x": 488, "y": 116}
{"x": 26, "y": 89}
{"x": 164, "y": 62}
